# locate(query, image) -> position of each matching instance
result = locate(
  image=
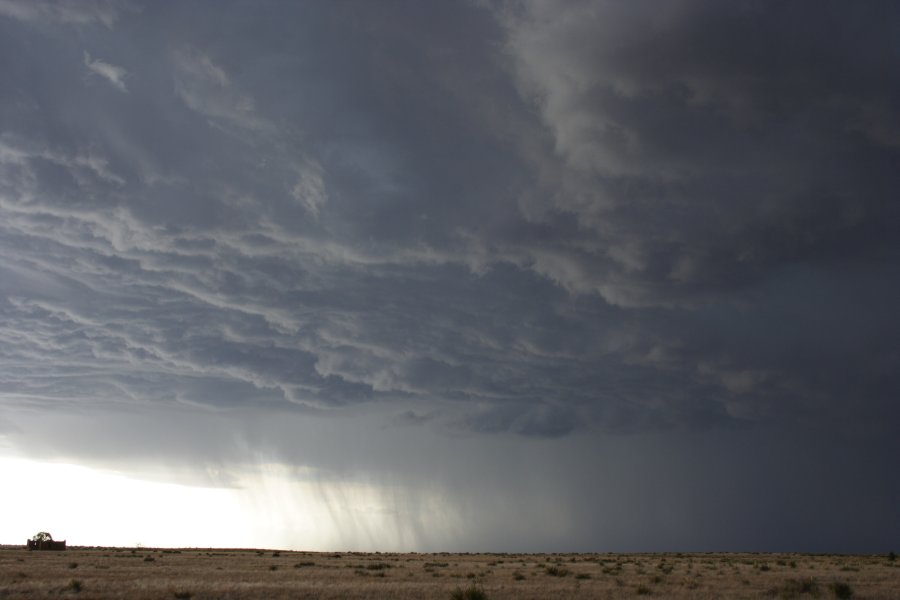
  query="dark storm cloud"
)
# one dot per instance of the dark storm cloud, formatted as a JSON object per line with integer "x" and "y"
{"x": 727, "y": 160}
{"x": 546, "y": 219}
{"x": 705, "y": 147}
{"x": 585, "y": 214}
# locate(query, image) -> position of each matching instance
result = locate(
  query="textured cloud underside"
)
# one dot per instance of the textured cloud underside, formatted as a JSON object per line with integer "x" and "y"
{"x": 521, "y": 217}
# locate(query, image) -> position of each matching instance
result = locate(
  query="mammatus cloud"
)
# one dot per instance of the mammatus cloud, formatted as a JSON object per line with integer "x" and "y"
{"x": 115, "y": 75}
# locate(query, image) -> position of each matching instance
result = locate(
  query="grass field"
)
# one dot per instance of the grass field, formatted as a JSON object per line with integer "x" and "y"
{"x": 198, "y": 574}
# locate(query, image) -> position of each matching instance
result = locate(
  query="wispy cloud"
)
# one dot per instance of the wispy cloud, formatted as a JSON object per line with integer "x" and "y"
{"x": 113, "y": 74}
{"x": 82, "y": 12}
{"x": 205, "y": 87}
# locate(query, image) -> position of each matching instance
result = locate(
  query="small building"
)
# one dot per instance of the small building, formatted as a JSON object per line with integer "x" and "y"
{"x": 44, "y": 541}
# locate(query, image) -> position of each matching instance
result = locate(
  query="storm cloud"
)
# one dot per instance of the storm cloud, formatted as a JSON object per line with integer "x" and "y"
{"x": 587, "y": 227}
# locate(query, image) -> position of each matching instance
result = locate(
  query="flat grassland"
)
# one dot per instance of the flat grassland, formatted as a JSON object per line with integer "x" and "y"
{"x": 143, "y": 573}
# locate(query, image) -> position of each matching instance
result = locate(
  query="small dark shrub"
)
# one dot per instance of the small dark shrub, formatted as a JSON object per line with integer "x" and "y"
{"x": 518, "y": 576}
{"x": 377, "y": 566}
{"x": 643, "y": 590}
{"x": 794, "y": 588}
{"x": 891, "y": 556}
{"x": 557, "y": 571}
{"x": 276, "y": 554}
{"x": 808, "y": 585}
{"x": 273, "y": 567}
{"x": 304, "y": 563}
{"x": 73, "y": 565}
{"x": 183, "y": 595}
{"x": 473, "y": 592}
{"x": 841, "y": 590}
{"x": 149, "y": 559}
{"x": 75, "y": 585}
{"x": 583, "y": 576}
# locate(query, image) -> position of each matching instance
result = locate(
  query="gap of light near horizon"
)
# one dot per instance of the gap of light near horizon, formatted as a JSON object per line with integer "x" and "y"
{"x": 270, "y": 509}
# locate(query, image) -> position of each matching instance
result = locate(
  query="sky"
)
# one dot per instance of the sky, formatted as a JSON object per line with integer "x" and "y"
{"x": 508, "y": 275}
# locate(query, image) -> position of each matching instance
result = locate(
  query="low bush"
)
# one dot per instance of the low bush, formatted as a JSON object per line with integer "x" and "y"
{"x": 841, "y": 590}
{"x": 473, "y": 592}
{"x": 794, "y": 588}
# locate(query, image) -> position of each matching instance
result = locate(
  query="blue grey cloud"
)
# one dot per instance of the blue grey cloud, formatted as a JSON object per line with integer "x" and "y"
{"x": 334, "y": 223}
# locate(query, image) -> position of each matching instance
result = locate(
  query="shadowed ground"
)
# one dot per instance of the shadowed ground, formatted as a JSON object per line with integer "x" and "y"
{"x": 199, "y": 573}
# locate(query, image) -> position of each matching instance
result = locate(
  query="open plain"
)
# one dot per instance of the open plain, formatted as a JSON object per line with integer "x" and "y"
{"x": 142, "y": 573}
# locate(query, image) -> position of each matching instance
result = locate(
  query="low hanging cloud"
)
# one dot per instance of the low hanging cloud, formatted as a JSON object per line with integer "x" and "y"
{"x": 590, "y": 218}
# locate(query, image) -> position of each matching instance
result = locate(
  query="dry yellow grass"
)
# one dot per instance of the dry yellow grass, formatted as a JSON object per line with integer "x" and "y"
{"x": 199, "y": 574}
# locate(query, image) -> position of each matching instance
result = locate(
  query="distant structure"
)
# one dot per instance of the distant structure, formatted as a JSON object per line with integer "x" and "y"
{"x": 44, "y": 541}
